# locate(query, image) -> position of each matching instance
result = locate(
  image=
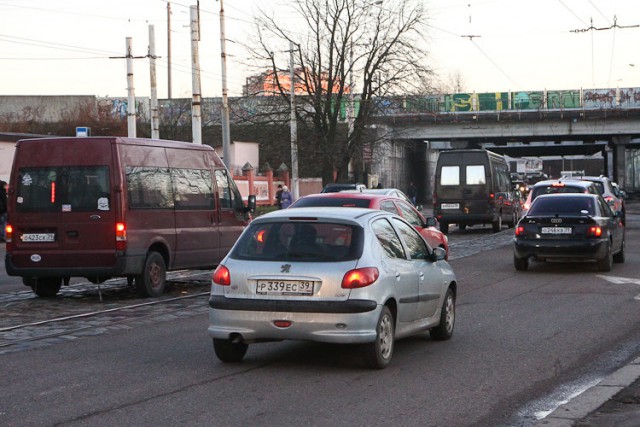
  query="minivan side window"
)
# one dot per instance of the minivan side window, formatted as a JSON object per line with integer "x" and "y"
{"x": 450, "y": 175}
{"x": 228, "y": 193}
{"x": 475, "y": 175}
{"x": 193, "y": 188}
{"x": 149, "y": 187}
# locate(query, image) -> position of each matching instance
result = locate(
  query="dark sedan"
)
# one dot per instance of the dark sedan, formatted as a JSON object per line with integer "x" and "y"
{"x": 569, "y": 227}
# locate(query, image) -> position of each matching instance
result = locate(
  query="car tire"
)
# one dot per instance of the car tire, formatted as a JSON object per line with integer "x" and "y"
{"x": 462, "y": 227}
{"x": 229, "y": 351}
{"x": 497, "y": 224}
{"x": 444, "y": 330}
{"x": 151, "y": 282}
{"x": 377, "y": 354}
{"x": 46, "y": 287}
{"x": 619, "y": 257}
{"x": 444, "y": 227}
{"x": 606, "y": 263}
{"x": 514, "y": 220}
{"x": 521, "y": 264}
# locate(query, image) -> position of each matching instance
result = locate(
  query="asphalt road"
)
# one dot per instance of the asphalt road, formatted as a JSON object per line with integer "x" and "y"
{"x": 525, "y": 342}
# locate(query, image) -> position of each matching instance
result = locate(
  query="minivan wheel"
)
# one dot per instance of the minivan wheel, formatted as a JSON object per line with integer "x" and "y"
{"x": 229, "y": 351}
{"x": 444, "y": 330}
{"x": 152, "y": 280}
{"x": 46, "y": 287}
{"x": 378, "y": 354}
{"x": 497, "y": 225}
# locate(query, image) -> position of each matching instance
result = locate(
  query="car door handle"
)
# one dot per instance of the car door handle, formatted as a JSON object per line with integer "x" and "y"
{"x": 94, "y": 217}
{"x": 397, "y": 275}
{"x": 421, "y": 275}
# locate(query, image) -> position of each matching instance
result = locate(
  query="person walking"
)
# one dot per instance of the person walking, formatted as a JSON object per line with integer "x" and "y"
{"x": 3, "y": 210}
{"x": 286, "y": 198}
{"x": 279, "y": 197}
{"x": 412, "y": 192}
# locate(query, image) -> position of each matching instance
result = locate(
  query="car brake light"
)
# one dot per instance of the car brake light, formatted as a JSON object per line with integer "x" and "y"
{"x": 520, "y": 231}
{"x": 360, "y": 277}
{"x": 121, "y": 236}
{"x": 222, "y": 276}
{"x": 558, "y": 184}
{"x": 594, "y": 231}
{"x": 527, "y": 206}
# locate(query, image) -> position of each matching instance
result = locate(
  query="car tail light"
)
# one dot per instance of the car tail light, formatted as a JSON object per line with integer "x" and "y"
{"x": 121, "y": 236}
{"x": 8, "y": 233}
{"x": 558, "y": 184}
{"x": 594, "y": 231}
{"x": 526, "y": 206}
{"x": 610, "y": 200}
{"x": 520, "y": 231}
{"x": 360, "y": 277}
{"x": 222, "y": 276}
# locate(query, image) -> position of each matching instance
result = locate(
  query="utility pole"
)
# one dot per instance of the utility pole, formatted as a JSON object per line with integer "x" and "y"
{"x": 169, "y": 50}
{"x": 131, "y": 102}
{"x": 294, "y": 126}
{"x": 226, "y": 133}
{"x": 196, "y": 102}
{"x": 155, "y": 125}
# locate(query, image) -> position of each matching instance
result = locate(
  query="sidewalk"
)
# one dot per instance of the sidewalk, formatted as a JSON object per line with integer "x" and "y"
{"x": 614, "y": 401}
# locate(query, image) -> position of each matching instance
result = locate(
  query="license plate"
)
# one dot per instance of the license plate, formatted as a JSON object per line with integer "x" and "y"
{"x": 556, "y": 230}
{"x": 285, "y": 287}
{"x": 39, "y": 237}
{"x": 450, "y": 205}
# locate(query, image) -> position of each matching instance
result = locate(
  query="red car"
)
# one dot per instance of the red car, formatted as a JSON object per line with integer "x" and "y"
{"x": 425, "y": 226}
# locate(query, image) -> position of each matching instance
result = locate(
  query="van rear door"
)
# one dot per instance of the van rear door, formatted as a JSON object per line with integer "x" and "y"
{"x": 465, "y": 184}
{"x": 64, "y": 217}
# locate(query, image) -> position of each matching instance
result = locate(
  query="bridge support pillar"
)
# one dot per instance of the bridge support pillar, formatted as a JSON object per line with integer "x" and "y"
{"x": 618, "y": 144}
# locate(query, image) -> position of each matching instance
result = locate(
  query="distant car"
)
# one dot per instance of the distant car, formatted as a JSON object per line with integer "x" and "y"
{"x": 552, "y": 186}
{"x": 569, "y": 227}
{"x": 609, "y": 192}
{"x": 336, "y": 187}
{"x": 333, "y": 275}
{"x": 428, "y": 227}
{"x": 389, "y": 192}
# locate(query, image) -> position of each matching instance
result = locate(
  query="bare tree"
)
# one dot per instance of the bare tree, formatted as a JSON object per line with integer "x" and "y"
{"x": 379, "y": 46}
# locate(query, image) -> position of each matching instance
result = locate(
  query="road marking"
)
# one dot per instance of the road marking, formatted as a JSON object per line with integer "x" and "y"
{"x": 622, "y": 280}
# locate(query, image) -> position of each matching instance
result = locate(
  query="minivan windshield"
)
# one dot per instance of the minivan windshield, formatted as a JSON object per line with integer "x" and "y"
{"x": 62, "y": 189}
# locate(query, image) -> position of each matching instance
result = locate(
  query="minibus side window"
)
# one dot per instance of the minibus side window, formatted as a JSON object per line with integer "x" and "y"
{"x": 193, "y": 188}
{"x": 149, "y": 187}
{"x": 224, "y": 191}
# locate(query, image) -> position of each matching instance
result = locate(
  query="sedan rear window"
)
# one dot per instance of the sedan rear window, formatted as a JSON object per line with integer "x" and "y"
{"x": 553, "y": 189}
{"x": 563, "y": 206}
{"x": 305, "y": 241}
{"x": 314, "y": 202}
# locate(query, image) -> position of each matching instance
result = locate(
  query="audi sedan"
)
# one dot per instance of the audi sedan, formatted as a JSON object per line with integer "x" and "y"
{"x": 381, "y": 199}
{"x": 332, "y": 275}
{"x": 569, "y": 227}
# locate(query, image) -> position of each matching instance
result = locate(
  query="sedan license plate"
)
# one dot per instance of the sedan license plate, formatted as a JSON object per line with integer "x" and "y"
{"x": 556, "y": 230}
{"x": 450, "y": 205}
{"x": 39, "y": 237}
{"x": 285, "y": 287}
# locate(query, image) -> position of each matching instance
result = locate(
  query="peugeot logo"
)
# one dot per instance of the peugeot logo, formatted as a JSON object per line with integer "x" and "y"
{"x": 556, "y": 220}
{"x": 285, "y": 268}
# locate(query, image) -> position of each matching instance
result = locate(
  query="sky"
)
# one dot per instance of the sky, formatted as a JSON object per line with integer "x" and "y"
{"x": 75, "y": 47}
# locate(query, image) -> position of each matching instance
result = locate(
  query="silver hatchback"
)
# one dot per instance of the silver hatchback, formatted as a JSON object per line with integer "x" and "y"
{"x": 334, "y": 275}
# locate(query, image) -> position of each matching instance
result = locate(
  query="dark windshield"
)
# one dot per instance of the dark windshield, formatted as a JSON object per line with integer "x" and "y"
{"x": 553, "y": 189}
{"x": 308, "y": 241}
{"x": 306, "y": 202}
{"x": 63, "y": 189}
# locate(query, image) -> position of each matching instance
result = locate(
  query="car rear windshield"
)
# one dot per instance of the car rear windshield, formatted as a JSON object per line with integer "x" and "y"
{"x": 306, "y": 202}
{"x": 554, "y": 189}
{"x": 63, "y": 189}
{"x": 302, "y": 241}
{"x": 563, "y": 206}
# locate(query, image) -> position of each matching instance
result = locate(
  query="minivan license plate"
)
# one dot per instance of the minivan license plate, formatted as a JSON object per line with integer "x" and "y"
{"x": 39, "y": 237}
{"x": 450, "y": 206}
{"x": 284, "y": 287}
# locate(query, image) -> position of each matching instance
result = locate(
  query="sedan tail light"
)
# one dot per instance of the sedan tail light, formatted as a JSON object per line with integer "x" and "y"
{"x": 520, "y": 231}
{"x": 360, "y": 277}
{"x": 222, "y": 276}
{"x": 594, "y": 231}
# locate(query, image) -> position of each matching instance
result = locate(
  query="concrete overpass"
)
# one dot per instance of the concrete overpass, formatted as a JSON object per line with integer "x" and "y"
{"x": 529, "y": 134}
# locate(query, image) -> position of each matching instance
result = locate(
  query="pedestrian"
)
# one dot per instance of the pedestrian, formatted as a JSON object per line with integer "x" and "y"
{"x": 412, "y": 192}
{"x": 3, "y": 210}
{"x": 379, "y": 185}
{"x": 279, "y": 197}
{"x": 286, "y": 198}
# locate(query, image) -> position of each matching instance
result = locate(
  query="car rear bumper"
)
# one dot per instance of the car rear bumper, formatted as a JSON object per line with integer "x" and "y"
{"x": 467, "y": 219}
{"x": 561, "y": 249}
{"x": 340, "y": 322}
{"x": 124, "y": 265}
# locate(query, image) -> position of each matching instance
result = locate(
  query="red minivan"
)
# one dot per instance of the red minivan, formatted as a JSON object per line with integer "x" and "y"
{"x": 103, "y": 207}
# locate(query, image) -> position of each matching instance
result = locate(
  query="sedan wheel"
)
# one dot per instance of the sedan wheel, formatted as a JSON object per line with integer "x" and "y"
{"x": 606, "y": 263}
{"x": 619, "y": 257}
{"x": 444, "y": 330}
{"x": 521, "y": 264}
{"x": 229, "y": 351}
{"x": 378, "y": 353}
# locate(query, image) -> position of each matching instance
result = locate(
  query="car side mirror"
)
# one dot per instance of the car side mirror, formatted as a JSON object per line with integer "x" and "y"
{"x": 251, "y": 203}
{"x": 431, "y": 222}
{"x": 439, "y": 253}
